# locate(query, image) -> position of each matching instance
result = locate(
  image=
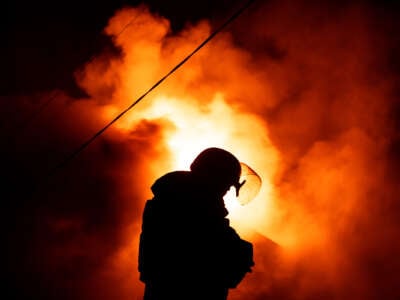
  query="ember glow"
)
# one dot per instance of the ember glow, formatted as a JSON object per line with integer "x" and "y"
{"x": 216, "y": 124}
{"x": 192, "y": 123}
{"x": 302, "y": 98}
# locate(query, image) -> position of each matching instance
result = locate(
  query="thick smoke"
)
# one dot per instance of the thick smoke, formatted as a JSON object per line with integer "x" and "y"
{"x": 332, "y": 120}
{"x": 318, "y": 81}
{"x": 66, "y": 229}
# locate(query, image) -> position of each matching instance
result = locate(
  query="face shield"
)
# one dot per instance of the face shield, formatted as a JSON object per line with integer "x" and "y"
{"x": 248, "y": 185}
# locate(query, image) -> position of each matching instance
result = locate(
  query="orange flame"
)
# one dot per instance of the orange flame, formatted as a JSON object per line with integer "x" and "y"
{"x": 311, "y": 150}
{"x": 192, "y": 121}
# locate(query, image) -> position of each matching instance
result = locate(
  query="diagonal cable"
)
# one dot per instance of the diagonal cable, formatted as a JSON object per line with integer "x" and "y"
{"x": 97, "y": 134}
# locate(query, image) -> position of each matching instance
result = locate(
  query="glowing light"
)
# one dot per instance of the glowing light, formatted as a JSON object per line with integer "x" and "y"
{"x": 217, "y": 124}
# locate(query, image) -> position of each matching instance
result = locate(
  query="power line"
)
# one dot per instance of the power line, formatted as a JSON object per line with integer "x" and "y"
{"x": 97, "y": 134}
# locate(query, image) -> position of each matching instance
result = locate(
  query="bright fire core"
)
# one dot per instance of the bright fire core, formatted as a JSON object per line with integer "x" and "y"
{"x": 218, "y": 124}
{"x": 297, "y": 98}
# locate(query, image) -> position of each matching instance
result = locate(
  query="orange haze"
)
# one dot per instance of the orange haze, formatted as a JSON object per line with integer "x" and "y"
{"x": 297, "y": 91}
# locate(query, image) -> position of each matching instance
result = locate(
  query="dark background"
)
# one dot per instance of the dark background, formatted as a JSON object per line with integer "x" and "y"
{"x": 45, "y": 41}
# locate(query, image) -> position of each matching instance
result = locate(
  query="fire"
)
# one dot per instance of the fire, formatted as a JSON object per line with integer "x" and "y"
{"x": 192, "y": 128}
{"x": 304, "y": 92}
{"x": 291, "y": 114}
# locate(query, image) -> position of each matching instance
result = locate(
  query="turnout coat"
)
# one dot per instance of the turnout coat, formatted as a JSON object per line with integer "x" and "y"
{"x": 187, "y": 246}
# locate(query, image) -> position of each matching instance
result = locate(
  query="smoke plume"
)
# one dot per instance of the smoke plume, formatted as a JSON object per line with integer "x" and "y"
{"x": 303, "y": 92}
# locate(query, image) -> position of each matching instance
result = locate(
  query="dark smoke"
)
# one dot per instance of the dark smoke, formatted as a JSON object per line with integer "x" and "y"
{"x": 62, "y": 231}
{"x": 328, "y": 77}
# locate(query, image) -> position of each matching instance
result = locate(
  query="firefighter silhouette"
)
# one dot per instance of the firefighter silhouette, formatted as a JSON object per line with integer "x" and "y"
{"x": 187, "y": 248}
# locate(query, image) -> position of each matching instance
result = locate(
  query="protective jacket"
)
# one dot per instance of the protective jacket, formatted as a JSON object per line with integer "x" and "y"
{"x": 187, "y": 245}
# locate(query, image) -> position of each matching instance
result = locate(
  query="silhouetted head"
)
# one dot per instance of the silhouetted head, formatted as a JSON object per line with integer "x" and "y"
{"x": 218, "y": 169}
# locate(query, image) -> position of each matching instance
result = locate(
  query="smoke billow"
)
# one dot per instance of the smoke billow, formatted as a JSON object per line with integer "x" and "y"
{"x": 303, "y": 92}
{"x": 332, "y": 122}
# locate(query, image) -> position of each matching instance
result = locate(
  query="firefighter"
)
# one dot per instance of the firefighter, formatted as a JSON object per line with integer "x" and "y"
{"x": 187, "y": 248}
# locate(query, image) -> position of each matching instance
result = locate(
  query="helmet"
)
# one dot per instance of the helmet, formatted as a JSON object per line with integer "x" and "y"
{"x": 222, "y": 169}
{"x": 217, "y": 165}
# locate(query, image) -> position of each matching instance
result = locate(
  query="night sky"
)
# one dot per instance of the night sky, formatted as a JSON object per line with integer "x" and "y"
{"x": 61, "y": 232}
{"x": 40, "y": 35}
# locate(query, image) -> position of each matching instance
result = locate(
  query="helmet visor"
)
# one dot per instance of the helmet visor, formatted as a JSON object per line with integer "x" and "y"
{"x": 248, "y": 186}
